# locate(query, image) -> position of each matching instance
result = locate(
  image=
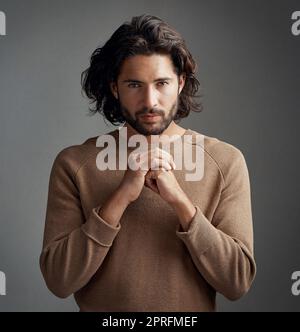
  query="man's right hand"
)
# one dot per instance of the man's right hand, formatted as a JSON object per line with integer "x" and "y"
{"x": 134, "y": 178}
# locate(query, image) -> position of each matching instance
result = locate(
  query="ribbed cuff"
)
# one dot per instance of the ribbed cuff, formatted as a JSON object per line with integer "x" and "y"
{"x": 99, "y": 230}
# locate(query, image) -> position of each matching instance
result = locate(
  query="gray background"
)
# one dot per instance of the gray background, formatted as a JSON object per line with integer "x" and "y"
{"x": 250, "y": 75}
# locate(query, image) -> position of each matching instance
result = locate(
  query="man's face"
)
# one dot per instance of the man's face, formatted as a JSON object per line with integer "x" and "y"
{"x": 148, "y": 89}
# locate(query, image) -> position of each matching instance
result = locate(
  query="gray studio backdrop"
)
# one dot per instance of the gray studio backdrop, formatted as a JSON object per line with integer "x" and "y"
{"x": 249, "y": 69}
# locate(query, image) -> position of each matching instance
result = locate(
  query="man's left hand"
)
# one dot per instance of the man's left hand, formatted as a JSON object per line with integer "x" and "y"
{"x": 165, "y": 184}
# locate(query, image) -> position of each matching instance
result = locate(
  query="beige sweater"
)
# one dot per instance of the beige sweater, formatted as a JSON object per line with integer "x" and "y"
{"x": 147, "y": 263}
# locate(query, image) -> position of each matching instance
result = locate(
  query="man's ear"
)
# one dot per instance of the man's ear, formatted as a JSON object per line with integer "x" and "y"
{"x": 114, "y": 89}
{"x": 181, "y": 82}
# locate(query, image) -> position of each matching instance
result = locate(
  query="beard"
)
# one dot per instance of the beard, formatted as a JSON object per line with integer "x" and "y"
{"x": 156, "y": 128}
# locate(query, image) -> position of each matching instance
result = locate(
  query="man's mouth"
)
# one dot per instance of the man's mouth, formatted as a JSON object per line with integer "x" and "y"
{"x": 150, "y": 117}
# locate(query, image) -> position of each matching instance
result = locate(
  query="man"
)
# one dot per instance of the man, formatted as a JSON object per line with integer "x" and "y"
{"x": 145, "y": 239}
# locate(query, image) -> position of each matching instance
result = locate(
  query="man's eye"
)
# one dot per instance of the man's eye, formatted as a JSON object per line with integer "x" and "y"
{"x": 163, "y": 83}
{"x": 133, "y": 85}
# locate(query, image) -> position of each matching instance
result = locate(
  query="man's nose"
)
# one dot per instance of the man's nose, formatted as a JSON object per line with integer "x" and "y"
{"x": 150, "y": 98}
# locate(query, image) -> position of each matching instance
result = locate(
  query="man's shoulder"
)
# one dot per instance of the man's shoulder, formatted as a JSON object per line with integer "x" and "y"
{"x": 75, "y": 155}
{"x": 222, "y": 153}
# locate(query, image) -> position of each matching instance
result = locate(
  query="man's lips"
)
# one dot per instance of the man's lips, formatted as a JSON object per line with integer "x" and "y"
{"x": 150, "y": 116}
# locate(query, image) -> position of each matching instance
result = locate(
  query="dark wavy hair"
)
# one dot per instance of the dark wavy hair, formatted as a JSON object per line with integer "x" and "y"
{"x": 144, "y": 35}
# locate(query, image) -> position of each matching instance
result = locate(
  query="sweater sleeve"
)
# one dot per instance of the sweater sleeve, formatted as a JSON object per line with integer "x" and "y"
{"x": 73, "y": 248}
{"x": 222, "y": 250}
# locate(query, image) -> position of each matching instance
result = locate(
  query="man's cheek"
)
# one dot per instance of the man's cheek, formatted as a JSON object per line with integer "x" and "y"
{"x": 170, "y": 94}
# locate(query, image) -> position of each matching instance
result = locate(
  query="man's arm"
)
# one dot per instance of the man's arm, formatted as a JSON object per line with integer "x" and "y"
{"x": 73, "y": 248}
{"x": 222, "y": 250}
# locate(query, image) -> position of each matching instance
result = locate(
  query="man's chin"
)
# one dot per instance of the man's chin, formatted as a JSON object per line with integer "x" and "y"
{"x": 153, "y": 131}
{"x": 150, "y": 129}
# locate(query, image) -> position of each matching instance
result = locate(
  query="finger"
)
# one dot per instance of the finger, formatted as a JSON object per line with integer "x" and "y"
{"x": 157, "y": 164}
{"x": 138, "y": 161}
{"x": 143, "y": 158}
{"x": 165, "y": 155}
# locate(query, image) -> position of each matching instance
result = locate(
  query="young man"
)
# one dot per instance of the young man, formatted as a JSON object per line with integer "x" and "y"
{"x": 144, "y": 238}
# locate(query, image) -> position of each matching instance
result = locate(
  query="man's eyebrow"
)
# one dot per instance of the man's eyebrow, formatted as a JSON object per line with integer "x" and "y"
{"x": 130, "y": 80}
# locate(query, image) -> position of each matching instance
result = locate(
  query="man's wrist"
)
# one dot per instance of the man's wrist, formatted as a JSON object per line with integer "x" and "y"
{"x": 122, "y": 196}
{"x": 113, "y": 209}
{"x": 185, "y": 211}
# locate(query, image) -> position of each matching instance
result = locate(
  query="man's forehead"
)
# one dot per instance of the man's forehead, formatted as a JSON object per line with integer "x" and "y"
{"x": 139, "y": 81}
{"x": 139, "y": 67}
